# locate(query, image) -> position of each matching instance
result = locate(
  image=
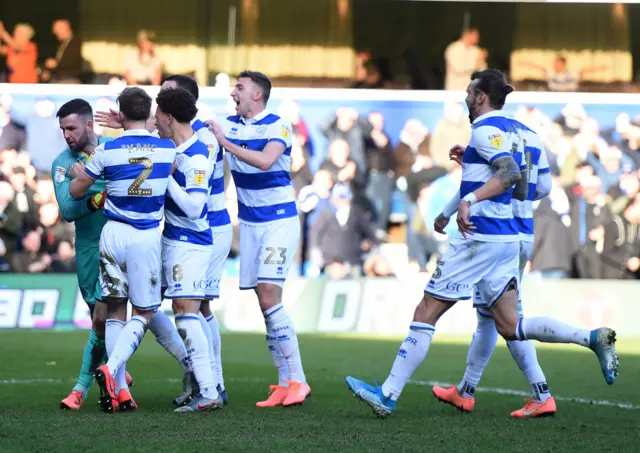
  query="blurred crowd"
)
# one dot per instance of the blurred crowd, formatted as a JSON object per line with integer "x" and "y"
{"x": 369, "y": 207}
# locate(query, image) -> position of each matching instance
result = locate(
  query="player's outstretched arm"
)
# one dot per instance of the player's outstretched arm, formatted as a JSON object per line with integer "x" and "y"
{"x": 263, "y": 160}
{"x": 191, "y": 203}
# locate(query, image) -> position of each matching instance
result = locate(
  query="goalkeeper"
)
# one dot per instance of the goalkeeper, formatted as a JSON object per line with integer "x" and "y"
{"x": 76, "y": 122}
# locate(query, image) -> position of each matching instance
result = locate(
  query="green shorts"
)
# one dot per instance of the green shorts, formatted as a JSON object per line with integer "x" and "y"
{"x": 88, "y": 265}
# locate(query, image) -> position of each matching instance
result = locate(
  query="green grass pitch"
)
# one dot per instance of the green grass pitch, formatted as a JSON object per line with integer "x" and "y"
{"x": 38, "y": 369}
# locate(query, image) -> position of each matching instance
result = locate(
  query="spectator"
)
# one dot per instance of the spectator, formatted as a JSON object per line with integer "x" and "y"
{"x": 313, "y": 198}
{"x": 621, "y": 249}
{"x": 588, "y": 213}
{"x": 453, "y": 129}
{"x": 551, "y": 254}
{"x": 11, "y": 218}
{"x": 143, "y": 67}
{"x": 24, "y": 197}
{"x": 346, "y": 124}
{"x": 66, "y": 66}
{"x": 64, "y": 261}
{"x": 560, "y": 78}
{"x": 412, "y": 153}
{"x": 378, "y": 266}
{"x": 362, "y": 60}
{"x": 462, "y": 58}
{"x": 53, "y": 230}
{"x": 342, "y": 233}
{"x": 31, "y": 260}
{"x": 21, "y": 52}
{"x": 381, "y": 165}
{"x": 344, "y": 169}
{"x": 4, "y": 264}
{"x": 300, "y": 173}
{"x": 609, "y": 164}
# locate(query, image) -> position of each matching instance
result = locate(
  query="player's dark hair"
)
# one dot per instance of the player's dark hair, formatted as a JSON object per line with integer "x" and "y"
{"x": 186, "y": 82}
{"x": 79, "y": 107}
{"x": 179, "y": 103}
{"x": 492, "y": 83}
{"x": 260, "y": 79}
{"x": 135, "y": 104}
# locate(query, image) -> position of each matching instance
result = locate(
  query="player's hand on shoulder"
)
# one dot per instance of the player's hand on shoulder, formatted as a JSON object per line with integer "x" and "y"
{"x": 216, "y": 129}
{"x": 174, "y": 166}
{"x": 76, "y": 170}
{"x": 108, "y": 119}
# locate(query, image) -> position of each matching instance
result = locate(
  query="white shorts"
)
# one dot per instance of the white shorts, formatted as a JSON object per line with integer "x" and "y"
{"x": 266, "y": 251}
{"x": 184, "y": 270}
{"x": 526, "y": 249}
{"x": 130, "y": 265}
{"x": 221, "y": 247}
{"x": 490, "y": 267}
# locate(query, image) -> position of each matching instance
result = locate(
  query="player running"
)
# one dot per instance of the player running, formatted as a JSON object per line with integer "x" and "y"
{"x": 136, "y": 169}
{"x": 258, "y": 146}
{"x": 221, "y": 230}
{"x": 486, "y": 253}
{"x": 187, "y": 241}
{"x": 484, "y": 339}
{"x": 76, "y": 122}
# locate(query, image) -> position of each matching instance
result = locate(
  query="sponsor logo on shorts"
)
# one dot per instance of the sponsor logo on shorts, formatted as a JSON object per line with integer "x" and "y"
{"x": 402, "y": 353}
{"x": 177, "y": 287}
{"x": 204, "y": 284}
{"x": 456, "y": 287}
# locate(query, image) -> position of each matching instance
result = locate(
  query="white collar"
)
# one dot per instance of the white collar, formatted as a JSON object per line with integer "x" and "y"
{"x": 256, "y": 118}
{"x": 137, "y": 132}
{"x": 186, "y": 145}
{"x": 489, "y": 115}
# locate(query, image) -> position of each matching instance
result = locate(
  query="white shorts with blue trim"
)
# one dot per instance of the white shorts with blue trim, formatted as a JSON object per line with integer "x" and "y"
{"x": 526, "y": 249}
{"x": 184, "y": 270}
{"x": 222, "y": 238}
{"x": 266, "y": 251}
{"x": 467, "y": 264}
{"x": 130, "y": 265}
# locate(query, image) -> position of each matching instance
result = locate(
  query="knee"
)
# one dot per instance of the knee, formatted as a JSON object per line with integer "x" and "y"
{"x": 507, "y": 329}
{"x": 99, "y": 318}
{"x": 429, "y": 310}
{"x": 269, "y": 295}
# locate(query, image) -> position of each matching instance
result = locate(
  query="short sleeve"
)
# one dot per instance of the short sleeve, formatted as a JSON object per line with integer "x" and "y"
{"x": 197, "y": 171}
{"x": 491, "y": 143}
{"x": 281, "y": 132}
{"x": 95, "y": 163}
{"x": 543, "y": 163}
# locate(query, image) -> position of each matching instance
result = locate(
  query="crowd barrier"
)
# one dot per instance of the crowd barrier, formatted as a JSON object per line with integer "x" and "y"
{"x": 378, "y": 307}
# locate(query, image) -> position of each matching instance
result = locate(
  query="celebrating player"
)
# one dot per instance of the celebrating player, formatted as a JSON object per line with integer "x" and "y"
{"x": 486, "y": 253}
{"x": 136, "y": 169}
{"x": 221, "y": 229}
{"x": 258, "y": 146}
{"x": 484, "y": 339}
{"x": 187, "y": 241}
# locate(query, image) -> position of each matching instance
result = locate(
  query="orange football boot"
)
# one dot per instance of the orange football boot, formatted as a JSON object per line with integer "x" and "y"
{"x": 73, "y": 401}
{"x": 298, "y": 393}
{"x": 451, "y": 396}
{"x": 108, "y": 398}
{"x": 535, "y": 409}
{"x": 277, "y": 395}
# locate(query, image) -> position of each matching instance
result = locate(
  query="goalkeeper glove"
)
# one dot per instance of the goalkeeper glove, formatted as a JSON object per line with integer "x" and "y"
{"x": 96, "y": 201}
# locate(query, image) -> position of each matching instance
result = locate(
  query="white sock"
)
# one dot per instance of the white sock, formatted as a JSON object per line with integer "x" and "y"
{"x": 280, "y": 327}
{"x": 207, "y": 333}
{"x": 195, "y": 340}
{"x": 126, "y": 344}
{"x": 113, "y": 328}
{"x": 217, "y": 349}
{"x": 549, "y": 330}
{"x": 524, "y": 353}
{"x": 482, "y": 345}
{"x": 410, "y": 355}
{"x": 169, "y": 338}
